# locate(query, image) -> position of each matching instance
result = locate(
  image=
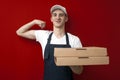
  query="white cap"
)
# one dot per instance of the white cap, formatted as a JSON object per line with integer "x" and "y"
{"x": 55, "y": 7}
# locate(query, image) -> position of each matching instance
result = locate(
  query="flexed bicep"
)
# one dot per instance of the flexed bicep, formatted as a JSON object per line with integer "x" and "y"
{"x": 28, "y": 34}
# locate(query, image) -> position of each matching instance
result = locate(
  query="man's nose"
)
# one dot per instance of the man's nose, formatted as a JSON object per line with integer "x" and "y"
{"x": 58, "y": 17}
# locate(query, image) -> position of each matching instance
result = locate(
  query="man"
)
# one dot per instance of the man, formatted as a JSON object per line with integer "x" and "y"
{"x": 51, "y": 39}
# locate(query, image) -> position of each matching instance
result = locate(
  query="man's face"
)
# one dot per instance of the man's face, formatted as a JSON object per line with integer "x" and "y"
{"x": 58, "y": 18}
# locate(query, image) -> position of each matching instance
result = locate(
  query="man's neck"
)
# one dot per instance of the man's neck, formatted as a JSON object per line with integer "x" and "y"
{"x": 59, "y": 32}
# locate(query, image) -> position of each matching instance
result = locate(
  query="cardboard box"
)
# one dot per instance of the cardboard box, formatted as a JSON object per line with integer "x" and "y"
{"x": 80, "y": 52}
{"x": 81, "y": 56}
{"x": 74, "y": 61}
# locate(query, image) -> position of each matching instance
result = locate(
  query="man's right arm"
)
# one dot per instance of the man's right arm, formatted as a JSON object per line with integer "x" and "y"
{"x": 24, "y": 31}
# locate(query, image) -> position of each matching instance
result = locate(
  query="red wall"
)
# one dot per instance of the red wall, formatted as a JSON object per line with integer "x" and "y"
{"x": 96, "y": 22}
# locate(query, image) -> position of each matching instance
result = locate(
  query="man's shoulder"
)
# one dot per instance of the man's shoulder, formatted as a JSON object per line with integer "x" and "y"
{"x": 72, "y": 36}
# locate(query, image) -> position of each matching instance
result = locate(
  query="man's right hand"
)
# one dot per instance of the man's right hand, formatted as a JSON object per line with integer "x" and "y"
{"x": 40, "y": 23}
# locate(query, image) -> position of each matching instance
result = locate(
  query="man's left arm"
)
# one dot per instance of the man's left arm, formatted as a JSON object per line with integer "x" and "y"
{"x": 77, "y": 69}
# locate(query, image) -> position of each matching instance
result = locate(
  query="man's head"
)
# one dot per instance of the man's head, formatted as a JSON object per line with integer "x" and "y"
{"x": 58, "y": 16}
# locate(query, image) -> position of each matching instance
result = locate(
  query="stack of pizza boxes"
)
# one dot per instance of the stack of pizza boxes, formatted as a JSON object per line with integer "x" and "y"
{"x": 81, "y": 56}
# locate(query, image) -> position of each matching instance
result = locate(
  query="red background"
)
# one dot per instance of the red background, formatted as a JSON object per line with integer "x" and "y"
{"x": 95, "y": 22}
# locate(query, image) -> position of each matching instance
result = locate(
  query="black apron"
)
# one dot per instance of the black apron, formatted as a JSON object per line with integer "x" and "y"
{"x": 51, "y": 71}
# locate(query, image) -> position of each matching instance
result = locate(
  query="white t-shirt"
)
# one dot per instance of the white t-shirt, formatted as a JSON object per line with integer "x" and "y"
{"x": 42, "y": 36}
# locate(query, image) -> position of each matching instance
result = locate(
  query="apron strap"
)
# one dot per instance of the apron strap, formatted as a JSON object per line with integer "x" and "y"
{"x": 49, "y": 38}
{"x": 46, "y": 55}
{"x": 67, "y": 39}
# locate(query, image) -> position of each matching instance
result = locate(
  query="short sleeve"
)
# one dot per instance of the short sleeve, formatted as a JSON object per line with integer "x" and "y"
{"x": 41, "y": 35}
{"x": 77, "y": 43}
{"x": 36, "y": 35}
{"x": 74, "y": 41}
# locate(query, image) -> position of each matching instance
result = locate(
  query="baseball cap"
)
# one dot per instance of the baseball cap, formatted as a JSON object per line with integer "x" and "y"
{"x": 55, "y": 7}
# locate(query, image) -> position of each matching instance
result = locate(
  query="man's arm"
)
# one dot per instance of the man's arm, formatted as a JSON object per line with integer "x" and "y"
{"x": 77, "y": 69}
{"x": 24, "y": 31}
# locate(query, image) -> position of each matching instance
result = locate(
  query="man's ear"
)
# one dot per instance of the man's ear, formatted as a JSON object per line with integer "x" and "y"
{"x": 66, "y": 19}
{"x": 51, "y": 19}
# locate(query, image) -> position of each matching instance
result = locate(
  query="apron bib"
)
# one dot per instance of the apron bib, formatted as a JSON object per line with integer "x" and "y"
{"x": 51, "y": 71}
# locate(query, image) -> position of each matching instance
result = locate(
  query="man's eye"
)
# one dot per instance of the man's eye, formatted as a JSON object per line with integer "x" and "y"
{"x": 54, "y": 14}
{"x": 61, "y": 15}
